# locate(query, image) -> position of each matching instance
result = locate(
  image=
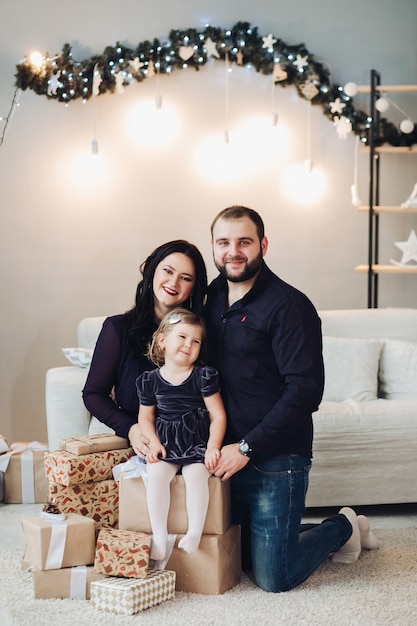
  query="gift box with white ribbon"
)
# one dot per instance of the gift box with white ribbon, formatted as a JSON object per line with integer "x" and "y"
{"x": 70, "y": 582}
{"x": 49, "y": 544}
{"x": 24, "y": 473}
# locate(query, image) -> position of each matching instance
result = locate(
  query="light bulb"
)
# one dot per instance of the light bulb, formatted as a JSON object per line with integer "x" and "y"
{"x": 36, "y": 59}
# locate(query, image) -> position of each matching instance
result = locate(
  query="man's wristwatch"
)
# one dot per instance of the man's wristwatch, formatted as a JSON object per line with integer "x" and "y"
{"x": 244, "y": 448}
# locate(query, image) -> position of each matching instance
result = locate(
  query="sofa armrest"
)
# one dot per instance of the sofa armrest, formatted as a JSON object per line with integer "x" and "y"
{"x": 66, "y": 414}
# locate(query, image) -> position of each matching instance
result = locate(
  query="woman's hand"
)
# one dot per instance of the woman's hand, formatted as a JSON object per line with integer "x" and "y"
{"x": 139, "y": 442}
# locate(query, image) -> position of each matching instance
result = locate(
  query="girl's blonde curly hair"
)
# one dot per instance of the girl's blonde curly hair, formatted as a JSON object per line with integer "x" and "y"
{"x": 156, "y": 353}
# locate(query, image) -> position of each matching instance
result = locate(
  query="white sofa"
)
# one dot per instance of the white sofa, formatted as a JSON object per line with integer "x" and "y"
{"x": 365, "y": 431}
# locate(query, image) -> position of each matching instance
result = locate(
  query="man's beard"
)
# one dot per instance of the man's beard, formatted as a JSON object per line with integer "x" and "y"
{"x": 250, "y": 270}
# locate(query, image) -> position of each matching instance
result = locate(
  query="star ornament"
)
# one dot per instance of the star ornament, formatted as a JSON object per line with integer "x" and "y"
{"x": 268, "y": 42}
{"x": 408, "y": 248}
{"x": 337, "y": 106}
{"x": 211, "y": 49}
{"x": 301, "y": 62}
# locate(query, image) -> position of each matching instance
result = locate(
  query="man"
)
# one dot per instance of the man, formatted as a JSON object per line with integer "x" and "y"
{"x": 267, "y": 346}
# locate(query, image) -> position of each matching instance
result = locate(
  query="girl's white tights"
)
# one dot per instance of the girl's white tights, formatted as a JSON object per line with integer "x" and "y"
{"x": 160, "y": 475}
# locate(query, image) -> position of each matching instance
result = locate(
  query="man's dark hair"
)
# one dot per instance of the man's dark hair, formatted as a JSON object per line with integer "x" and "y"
{"x": 235, "y": 212}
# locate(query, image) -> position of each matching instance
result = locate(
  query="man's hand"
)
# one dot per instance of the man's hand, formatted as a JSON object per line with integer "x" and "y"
{"x": 230, "y": 462}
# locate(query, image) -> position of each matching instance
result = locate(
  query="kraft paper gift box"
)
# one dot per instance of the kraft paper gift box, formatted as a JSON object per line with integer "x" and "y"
{"x": 127, "y": 596}
{"x": 68, "y": 469}
{"x": 133, "y": 510}
{"x": 212, "y": 569}
{"x": 4, "y": 446}
{"x": 98, "y": 501}
{"x": 24, "y": 473}
{"x": 70, "y": 582}
{"x": 86, "y": 444}
{"x": 122, "y": 553}
{"x": 51, "y": 545}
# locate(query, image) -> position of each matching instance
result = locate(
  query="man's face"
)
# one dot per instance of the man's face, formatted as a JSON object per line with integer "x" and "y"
{"x": 237, "y": 251}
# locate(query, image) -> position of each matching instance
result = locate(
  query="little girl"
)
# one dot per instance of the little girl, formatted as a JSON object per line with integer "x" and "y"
{"x": 182, "y": 414}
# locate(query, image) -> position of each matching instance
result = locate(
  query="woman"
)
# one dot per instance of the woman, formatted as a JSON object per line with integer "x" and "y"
{"x": 173, "y": 275}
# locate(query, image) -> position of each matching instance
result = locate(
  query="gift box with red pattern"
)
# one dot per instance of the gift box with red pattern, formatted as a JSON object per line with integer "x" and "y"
{"x": 123, "y": 553}
{"x": 99, "y": 501}
{"x": 68, "y": 469}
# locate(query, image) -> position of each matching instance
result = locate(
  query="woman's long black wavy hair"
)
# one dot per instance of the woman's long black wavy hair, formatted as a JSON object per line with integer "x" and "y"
{"x": 142, "y": 319}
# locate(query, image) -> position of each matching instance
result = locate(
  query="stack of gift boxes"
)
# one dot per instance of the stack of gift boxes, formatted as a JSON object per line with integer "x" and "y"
{"x": 74, "y": 549}
{"x": 81, "y": 479}
{"x": 216, "y": 566}
{"x": 100, "y": 550}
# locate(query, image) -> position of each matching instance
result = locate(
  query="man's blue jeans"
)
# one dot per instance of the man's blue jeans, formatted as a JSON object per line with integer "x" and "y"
{"x": 268, "y": 500}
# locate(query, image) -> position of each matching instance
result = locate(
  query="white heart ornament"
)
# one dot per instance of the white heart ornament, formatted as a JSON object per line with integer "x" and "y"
{"x": 186, "y": 52}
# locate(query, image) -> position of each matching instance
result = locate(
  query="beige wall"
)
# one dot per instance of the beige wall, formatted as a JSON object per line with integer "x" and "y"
{"x": 75, "y": 228}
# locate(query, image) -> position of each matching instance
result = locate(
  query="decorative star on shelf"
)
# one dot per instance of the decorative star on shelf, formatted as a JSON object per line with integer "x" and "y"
{"x": 343, "y": 126}
{"x": 409, "y": 249}
{"x": 268, "y": 42}
{"x": 301, "y": 62}
{"x": 337, "y": 106}
{"x": 210, "y": 46}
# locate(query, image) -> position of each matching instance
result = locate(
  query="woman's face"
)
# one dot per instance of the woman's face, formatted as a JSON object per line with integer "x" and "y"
{"x": 173, "y": 282}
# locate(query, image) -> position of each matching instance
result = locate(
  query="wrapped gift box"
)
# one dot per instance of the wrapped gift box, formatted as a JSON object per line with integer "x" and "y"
{"x": 133, "y": 510}
{"x": 68, "y": 469}
{"x": 24, "y": 477}
{"x": 98, "y": 501}
{"x": 122, "y": 553}
{"x": 127, "y": 596}
{"x": 4, "y": 446}
{"x": 56, "y": 544}
{"x": 212, "y": 569}
{"x": 93, "y": 443}
{"x": 70, "y": 582}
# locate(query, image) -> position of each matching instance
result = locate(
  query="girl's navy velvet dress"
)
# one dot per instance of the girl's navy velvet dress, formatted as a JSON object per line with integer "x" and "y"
{"x": 182, "y": 422}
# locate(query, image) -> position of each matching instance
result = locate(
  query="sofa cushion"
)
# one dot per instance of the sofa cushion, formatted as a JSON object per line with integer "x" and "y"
{"x": 351, "y": 369}
{"x": 78, "y": 356}
{"x": 398, "y": 370}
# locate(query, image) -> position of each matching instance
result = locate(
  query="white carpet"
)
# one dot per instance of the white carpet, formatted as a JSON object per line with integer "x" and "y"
{"x": 380, "y": 589}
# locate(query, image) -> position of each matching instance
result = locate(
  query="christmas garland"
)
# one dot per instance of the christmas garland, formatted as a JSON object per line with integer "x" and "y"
{"x": 64, "y": 79}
